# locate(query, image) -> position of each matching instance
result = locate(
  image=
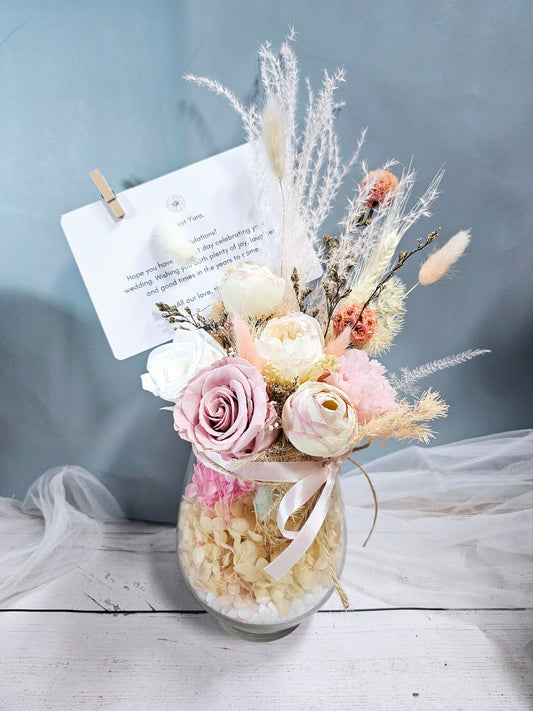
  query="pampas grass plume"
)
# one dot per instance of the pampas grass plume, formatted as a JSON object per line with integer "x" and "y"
{"x": 439, "y": 263}
{"x": 171, "y": 240}
{"x": 274, "y": 136}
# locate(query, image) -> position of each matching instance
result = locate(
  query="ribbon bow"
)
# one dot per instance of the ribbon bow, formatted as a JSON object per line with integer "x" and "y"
{"x": 297, "y": 496}
{"x": 308, "y": 477}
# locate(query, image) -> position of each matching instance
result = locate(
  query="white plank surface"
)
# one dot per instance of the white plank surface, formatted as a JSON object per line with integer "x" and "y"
{"x": 442, "y": 618}
{"x": 373, "y": 660}
{"x": 383, "y": 659}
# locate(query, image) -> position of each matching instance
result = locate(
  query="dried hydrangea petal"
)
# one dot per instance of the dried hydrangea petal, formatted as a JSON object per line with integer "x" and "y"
{"x": 226, "y": 556}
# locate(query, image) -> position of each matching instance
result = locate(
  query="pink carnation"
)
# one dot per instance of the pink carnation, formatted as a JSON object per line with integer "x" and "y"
{"x": 365, "y": 383}
{"x": 225, "y": 408}
{"x": 212, "y": 486}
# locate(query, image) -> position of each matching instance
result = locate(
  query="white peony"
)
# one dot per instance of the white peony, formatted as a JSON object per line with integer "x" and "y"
{"x": 293, "y": 343}
{"x": 252, "y": 290}
{"x": 172, "y": 365}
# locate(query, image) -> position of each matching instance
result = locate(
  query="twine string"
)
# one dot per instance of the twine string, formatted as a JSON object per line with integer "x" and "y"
{"x": 374, "y": 495}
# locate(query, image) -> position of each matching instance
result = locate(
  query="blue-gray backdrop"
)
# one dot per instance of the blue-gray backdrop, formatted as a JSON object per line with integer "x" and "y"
{"x": 99, "y": 84}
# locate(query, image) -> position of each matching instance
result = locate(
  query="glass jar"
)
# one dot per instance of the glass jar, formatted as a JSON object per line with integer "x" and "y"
{"x": 228, "y": 534}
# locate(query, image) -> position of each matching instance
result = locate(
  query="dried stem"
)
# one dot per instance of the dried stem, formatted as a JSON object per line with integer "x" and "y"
{"x": 219, "y": 329}
{"x": 402, "y": 258}
{"x": 301, "y": 295}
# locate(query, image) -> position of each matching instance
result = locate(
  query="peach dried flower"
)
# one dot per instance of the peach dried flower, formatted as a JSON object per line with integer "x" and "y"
{"x": 381, "y": 186}
{"x": 363, "y": 330}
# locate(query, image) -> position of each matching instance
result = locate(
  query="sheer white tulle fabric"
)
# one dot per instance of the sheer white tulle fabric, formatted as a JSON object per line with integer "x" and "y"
{"x": 454, "y": 528}
{"x": 66, "y": 516}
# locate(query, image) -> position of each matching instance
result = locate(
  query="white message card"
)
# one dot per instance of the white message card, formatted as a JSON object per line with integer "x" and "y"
{"x": 124, "y": 268}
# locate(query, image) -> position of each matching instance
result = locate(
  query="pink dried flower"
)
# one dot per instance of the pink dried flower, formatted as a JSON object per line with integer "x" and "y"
{"x": 212, "y": 486}
{"x": 381, "y": 185}
{"x": 363, "y": 330}
{"x": 364, "y": 382}
{"x": 225, "y": 409}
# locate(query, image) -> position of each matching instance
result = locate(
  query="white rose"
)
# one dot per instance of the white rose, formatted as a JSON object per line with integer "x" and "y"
{"x": 293, "y": 343}
{"x": 172, "y": 365}
{"x": 252, "y": 290}
{"x": 319, "y": 420}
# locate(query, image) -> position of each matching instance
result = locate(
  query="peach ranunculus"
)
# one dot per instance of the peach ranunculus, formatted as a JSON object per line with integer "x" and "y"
{"x": 318, "y": 419}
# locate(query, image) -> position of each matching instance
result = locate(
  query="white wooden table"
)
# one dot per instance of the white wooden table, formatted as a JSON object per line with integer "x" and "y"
{"x": 122, "y": 632}
{"x": 441, "y": 618}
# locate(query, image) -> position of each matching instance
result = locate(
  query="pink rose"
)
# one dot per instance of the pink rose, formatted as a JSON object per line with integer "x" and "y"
{"x": 365, "y": 383}
{"x": 224, "y": 408}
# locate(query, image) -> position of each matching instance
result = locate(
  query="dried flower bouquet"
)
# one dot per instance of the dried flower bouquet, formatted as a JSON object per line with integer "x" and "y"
{"x": 278, "y": 384}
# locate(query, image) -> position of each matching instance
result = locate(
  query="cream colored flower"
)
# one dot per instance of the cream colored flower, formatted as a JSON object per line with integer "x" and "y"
{"x": 293, "y": 343}
{"x": 319, "y": 420}
{"x": 252, "y": 290}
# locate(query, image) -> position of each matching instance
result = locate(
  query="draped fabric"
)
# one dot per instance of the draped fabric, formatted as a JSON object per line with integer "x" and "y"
{"x": 454, "y": 527}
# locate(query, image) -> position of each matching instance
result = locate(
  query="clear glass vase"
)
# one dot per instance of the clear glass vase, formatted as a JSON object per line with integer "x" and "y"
{"x": 228, "y": 533}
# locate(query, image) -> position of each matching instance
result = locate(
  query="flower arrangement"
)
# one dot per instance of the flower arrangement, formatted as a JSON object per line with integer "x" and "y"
{"x": 279, "y": 383}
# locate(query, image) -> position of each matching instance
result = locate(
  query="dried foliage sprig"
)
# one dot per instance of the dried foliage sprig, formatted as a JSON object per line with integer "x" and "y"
{"x": 406, "y": 383}
{"x": 401, "y": 259}
{"x": 406, "y": 420}
{"x": 219, "y": 328}
{"x": 336, "y": 280}
{"x": 301, "y": 294}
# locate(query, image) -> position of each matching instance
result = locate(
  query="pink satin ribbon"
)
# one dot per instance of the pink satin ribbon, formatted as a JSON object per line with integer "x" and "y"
{"x": 308, "y": 477}
{"x": 298, "y": 495}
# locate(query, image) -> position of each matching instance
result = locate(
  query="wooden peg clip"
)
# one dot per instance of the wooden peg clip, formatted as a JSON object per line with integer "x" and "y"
{"x": 107, "y": 194}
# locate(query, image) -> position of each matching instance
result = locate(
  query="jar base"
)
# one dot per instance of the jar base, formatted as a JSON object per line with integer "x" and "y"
{"x": 255, "y": 636}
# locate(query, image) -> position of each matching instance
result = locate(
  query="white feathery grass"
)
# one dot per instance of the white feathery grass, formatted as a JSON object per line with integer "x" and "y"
{"x": 170, "y": 239}
{"x": 376, "y": 251}
{"x": 274, "y": 136}
{"x": 407, "y": 381}
{"x": 439, "y": 262}
{"x": 312, "y": 168}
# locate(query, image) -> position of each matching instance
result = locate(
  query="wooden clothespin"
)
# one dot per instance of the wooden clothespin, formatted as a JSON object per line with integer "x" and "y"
{"x": 107, "y": 194}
